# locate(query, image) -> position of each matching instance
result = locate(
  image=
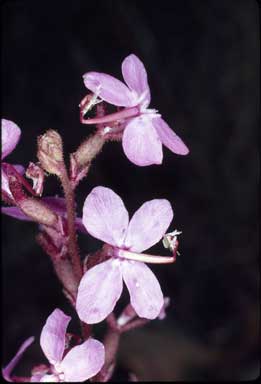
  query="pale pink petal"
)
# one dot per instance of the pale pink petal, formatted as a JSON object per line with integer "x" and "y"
{"x": 83, "y": 361}
{"x": 10, "y": 136}
{"x": 109, "y": 89}
{"x": 169, "y": 137}
{"x": 105, "y": 216}
{"x": 148, "y": 224}
{"x": 4, "y": 178}
{"x": 141, "y": 143}
{"x": 99, "y": 290}
{"x": 6, "y": 372}
{"x": 5, "y": 183}
{"x": 52, "y": 339}
{"x": 145, "y": 293}
{"x": 135, "y": 76}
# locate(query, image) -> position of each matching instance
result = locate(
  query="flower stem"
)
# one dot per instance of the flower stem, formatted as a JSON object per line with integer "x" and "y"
{"x": 72, "y": 243}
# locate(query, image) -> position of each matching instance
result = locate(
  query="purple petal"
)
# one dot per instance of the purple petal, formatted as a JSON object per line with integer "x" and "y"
{"x": 83, "y": 361}
{"x": 109, "y": 89}
{"x": 15, "y": 212}
{"x": 6, "y": 372}
{"x": 10, "y": 136}
{"x": 141, "y": 143}
{"x": 52, "y": 339}
{"x": 145, "y": 292}
{"x": 169, "y": 137}
{"x": 148, "y": 224}
{"x": 105, "y": 216}
{"x": 135, "y": 76}
{"x": 57, "y": 204}
{"x": 99, "y": 290}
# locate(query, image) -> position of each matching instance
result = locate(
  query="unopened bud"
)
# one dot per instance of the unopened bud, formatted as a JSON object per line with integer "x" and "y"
{"x": 88, "y": 150}
{"x": 50, "y": 152}
{"x": 38, "y": 211}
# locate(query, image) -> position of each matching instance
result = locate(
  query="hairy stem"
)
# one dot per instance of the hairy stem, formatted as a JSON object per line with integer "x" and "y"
{"x": 72, "y": 243}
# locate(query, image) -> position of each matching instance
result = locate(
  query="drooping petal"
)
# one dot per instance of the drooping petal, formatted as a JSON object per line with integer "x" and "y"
{"x": 10, "y": 136}
{"x": 141, "y": 143}
{"x": 83, "y": 361}
{"x": 99, "y": 290}
{"x": 169, "y": 137}
{"x": 52, "y": 339}
{"x": 148, "y": 224}
{"x": 105, "y": 216}
{"x": 6, "y": 372}
{"x": 135, "y": 76}
{"x": 145, "y": 293}
{"x": 109, "y": 89}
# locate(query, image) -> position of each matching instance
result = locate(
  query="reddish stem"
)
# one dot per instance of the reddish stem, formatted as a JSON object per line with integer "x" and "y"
{"x": 72, "y": 243}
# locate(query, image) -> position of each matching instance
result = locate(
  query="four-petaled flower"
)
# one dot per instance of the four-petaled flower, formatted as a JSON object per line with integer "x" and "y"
{"x": 79, "y": 364}
{"x": 144, "y": 131}
{"x": 106, "y": 218}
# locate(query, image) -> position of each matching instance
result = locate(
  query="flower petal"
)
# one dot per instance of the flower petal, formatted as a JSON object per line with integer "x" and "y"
{"x": 52, "y": 339}
{"x": 4, "y": 178}
{"x": 6, "y": 372}
{"x": 15, "y": 212}
{"x": 109, "y": 89}
{"x": 141, "y": 143}
{"x": 169, "y": 137}
{"x": 148, "y": 224}
{"x": 10, "y": 136}
{"x": 83, "y": 361}
{"x": 105, "y": 216}
{"x": 99, "y": 290}
{"x": 145, "y": 293}
{"x": 135, "y": 76}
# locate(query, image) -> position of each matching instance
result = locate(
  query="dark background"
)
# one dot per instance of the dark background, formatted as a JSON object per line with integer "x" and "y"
{"x": 202, "y": 59}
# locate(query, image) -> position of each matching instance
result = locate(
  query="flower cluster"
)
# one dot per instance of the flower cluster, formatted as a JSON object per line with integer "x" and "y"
{"x": 94, "y": 285}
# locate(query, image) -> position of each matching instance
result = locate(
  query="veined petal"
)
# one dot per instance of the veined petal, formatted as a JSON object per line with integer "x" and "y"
{"x": 109, "y": 89}
{"x": 99, "y": 290}
{"x": 141, "y": 143}
{"x": 148, "y": 224}
{"x": 6, "y": 372}
{"x": 52, "y": 339}
{"x": 135, "y": 76}
{"x": 145, "y": 293}
{"x": 169, "y": 137}
{"x": 105, "y": 216}
{"x": 83, "y": 361}
{"x": 10, "y": 136}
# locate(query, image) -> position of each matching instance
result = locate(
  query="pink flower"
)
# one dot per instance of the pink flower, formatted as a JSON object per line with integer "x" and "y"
{"x": 106, "y": 218}
{"x": 145, "y": 131}
{"x": 79, "y": 364}
{"x": 10, "y": 136}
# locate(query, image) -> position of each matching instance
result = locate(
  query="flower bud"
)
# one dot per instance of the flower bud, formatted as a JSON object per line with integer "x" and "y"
{"x": 88, "y": 150}
{"x": 38, "y": 211}
{"x": 50, "y": 152}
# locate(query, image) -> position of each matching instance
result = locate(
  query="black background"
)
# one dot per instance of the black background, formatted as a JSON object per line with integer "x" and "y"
{"x": 202, "y": 59}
